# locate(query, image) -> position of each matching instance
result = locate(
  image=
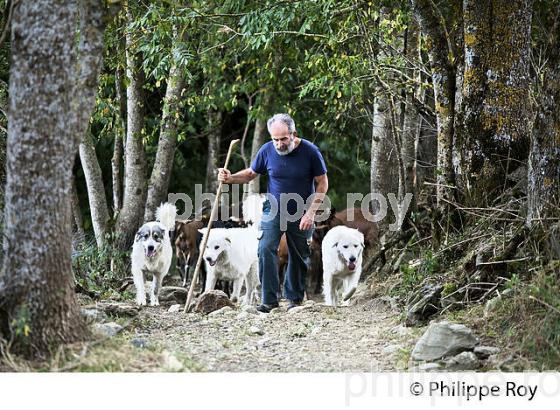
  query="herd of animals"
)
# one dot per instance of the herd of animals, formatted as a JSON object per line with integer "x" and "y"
{"x": 230, "y": 257}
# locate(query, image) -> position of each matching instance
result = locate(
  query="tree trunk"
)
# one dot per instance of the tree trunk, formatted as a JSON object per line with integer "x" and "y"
{"x": 259, "y": 137}
{"x": 161, "y": 173}
{"x": 95, "y": 188}
{"x": 443, "y": 79}
{"x": 214, "y": 137}
{"x": 467, "y": 154}
{"x": 86, "y": 91}
{"x": 380, "y": 151}
{"x": 544, "y": 158}
{"x": 118, "y": 150}
{"x": 77, "y": 212}
{"x": 2, "y": 180}
{"x": 495, "y": 119}
{"x": 412, "y": 119}
{"x": 130, "y": 216}
{"x": 38, "y": 309}
{"x": 427, "y": 145}
{"x": 507, "y": 110}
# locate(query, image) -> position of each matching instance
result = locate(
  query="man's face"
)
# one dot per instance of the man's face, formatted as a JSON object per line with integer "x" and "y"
{"x": 281, "y": 137}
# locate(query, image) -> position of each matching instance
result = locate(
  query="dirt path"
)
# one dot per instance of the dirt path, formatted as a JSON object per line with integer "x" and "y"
{"x": 317, "y": 338}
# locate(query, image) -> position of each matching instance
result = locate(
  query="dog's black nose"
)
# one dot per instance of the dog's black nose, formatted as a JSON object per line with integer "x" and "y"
{"x": 150, "y": 248}
{"x": 209, "y": 259}
{"x": 352, "y": 259}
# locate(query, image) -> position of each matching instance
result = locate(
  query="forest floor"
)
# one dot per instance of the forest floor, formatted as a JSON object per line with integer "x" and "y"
{"x": 367, "y": 336}
{"x": 364, "y": 337}
{"x": 359, "y": 338}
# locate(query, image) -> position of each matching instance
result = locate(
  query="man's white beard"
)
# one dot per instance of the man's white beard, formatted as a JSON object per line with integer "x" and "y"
{"x": 291, "y": 147}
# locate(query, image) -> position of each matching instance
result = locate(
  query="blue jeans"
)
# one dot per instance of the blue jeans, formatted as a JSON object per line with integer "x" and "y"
{"x": 298, "y": 259}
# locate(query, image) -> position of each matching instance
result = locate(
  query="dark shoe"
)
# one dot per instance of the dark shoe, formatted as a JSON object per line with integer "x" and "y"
{"x": 266, "y": 308}
{"x": 294, "y": 303}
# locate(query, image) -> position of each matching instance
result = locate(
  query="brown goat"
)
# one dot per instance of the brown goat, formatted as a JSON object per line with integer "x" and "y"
{"x": 354, "y": 218}
{"x": 187, "y": 242}
{"x": 186, "y": 247}
{"x": 282, "y": 261}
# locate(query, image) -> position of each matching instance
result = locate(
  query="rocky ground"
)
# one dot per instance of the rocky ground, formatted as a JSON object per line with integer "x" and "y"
{"x": 311, "y": 338}
{"x": 363, "y": 337}
{"x": 366, "y": 336}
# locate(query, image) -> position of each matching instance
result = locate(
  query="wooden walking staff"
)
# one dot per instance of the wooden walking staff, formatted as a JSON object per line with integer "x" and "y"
{"x": 207, "y": 233}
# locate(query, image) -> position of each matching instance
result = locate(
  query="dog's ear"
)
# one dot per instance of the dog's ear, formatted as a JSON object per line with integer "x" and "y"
{"x": 203, "y": 230}
{"x": 362, "y": 245}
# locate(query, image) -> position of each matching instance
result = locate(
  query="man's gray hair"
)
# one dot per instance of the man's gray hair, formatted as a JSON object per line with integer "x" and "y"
{"x": 284, "y": 118}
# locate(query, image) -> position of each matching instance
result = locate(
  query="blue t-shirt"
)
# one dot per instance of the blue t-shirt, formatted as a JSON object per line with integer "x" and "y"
{"x": 290, "y": 174}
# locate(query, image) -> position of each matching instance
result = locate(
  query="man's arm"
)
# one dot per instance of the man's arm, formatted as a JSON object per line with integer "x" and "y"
{"x": 241, "y": 177}
{"x": 321, "y": 188}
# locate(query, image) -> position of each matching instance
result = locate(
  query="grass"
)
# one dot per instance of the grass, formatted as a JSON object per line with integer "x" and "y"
{"x": 402, "y": 358}
{"x": 528, "y": 322}
{"x": 414, "y": 273}
{"x": 115, "y": 354}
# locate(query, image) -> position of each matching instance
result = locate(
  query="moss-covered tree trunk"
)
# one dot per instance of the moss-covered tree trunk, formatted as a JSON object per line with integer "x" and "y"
{"x": 543, "y": 194}
{"x": 496, "y": 114}
{"x": 476, "y": 29}
{"x": 38, "y": 308}
{"x": 443, "y": 80}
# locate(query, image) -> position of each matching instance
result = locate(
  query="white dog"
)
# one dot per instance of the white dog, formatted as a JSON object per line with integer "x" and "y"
{"x": 152, "y": 253}
{"x": 252, "y": 208}
{"x": 342, "y": 250}
{"x": 231, "y": 254}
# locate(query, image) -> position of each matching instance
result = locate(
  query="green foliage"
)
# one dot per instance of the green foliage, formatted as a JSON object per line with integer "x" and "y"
{"x": 448, "y": 289}
{"x": 513, "y": 282}
{"x": 20, "y": 326}
{"x": 100, "y": 269}
{"x": 249, "y": 60}
{"x": 544, "y": 290}
{"x": 528, "y": 320}
{"x": 414, "y": 275}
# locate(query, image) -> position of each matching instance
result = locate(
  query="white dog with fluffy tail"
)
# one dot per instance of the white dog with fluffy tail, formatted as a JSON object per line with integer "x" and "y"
{"x": 231, "y": 254}
{"x": 342, "y": 250}
{"x": 152, "y": 253}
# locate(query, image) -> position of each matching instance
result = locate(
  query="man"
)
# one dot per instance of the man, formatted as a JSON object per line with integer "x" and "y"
{"x": 293, "y": 166}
